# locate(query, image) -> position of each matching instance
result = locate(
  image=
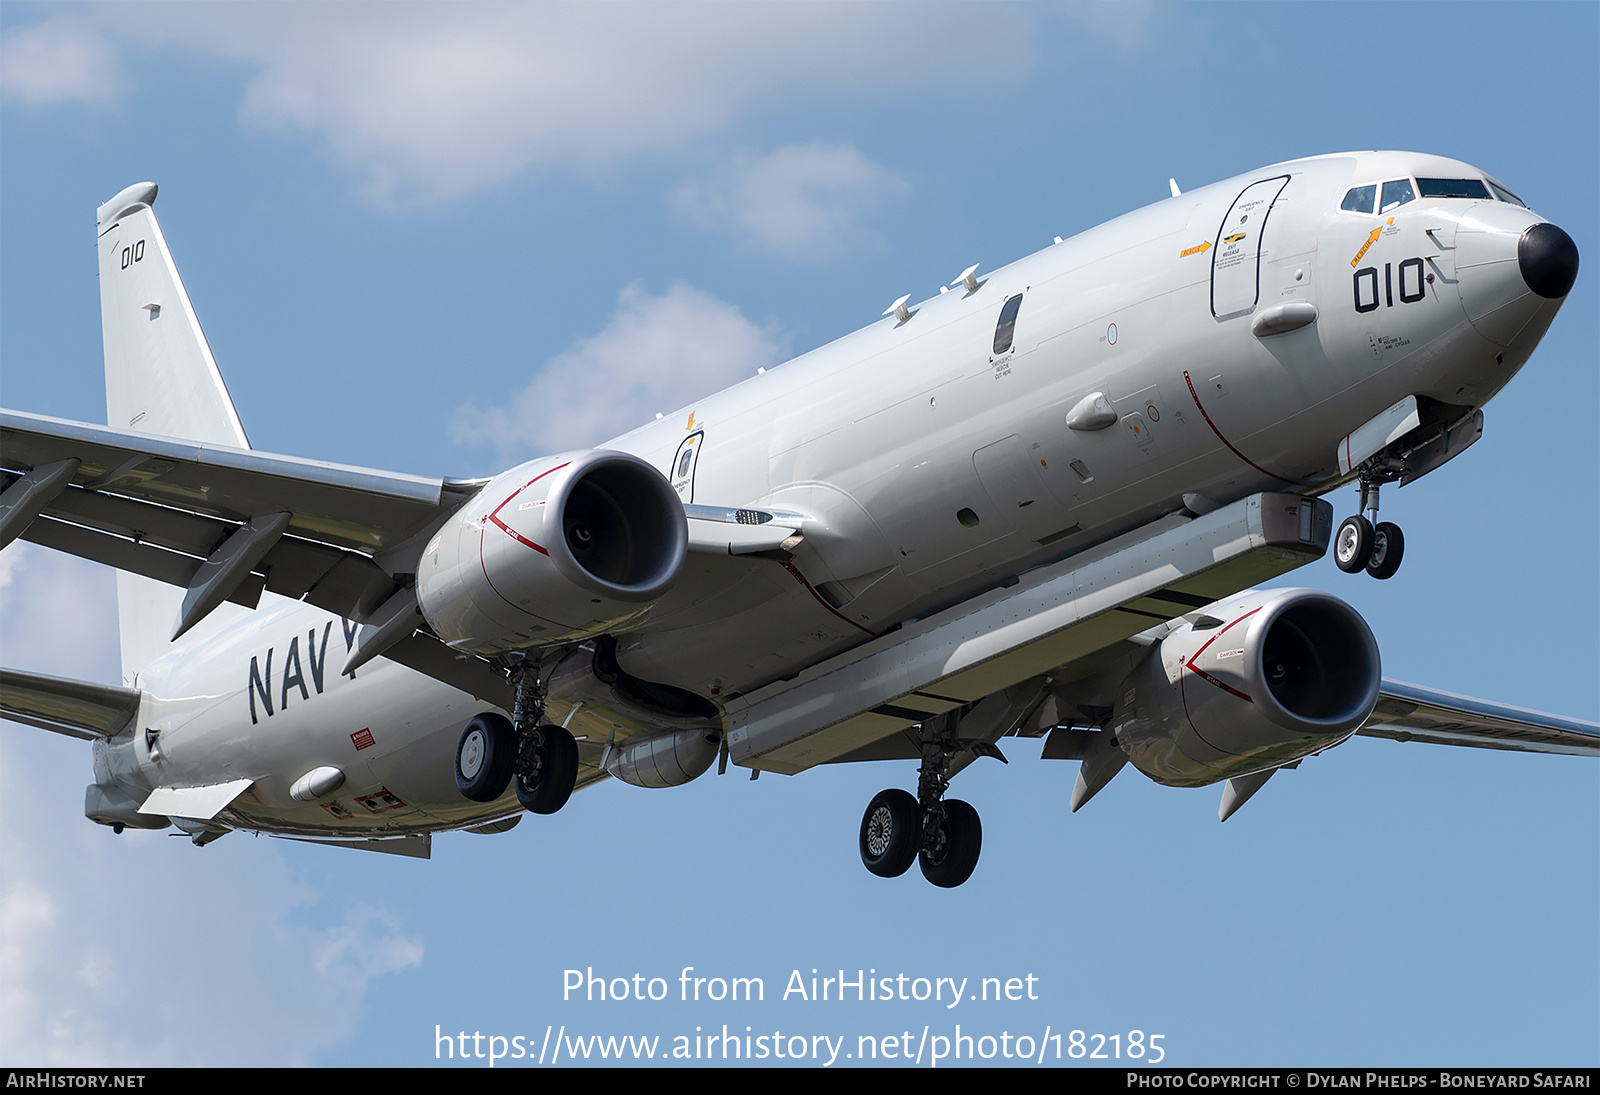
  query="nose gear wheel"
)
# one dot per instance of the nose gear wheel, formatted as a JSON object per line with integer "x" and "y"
{"x": 1369, "y": 544}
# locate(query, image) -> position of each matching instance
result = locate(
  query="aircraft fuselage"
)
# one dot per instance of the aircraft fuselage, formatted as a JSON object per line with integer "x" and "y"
{"x": 935, "y": 459}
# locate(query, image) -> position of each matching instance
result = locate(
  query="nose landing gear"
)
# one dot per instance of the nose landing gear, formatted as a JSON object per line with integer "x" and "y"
{"x": 1362, "y": 545}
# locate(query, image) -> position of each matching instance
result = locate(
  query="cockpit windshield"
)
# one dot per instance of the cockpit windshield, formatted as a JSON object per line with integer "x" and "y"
{"x": 1359, "y": 199}
{"x": 1395, "y": 193}
{"x": 1382, "y": 197}
{"x": 1452, "y": 188}
{"x": 1505, "y": 195}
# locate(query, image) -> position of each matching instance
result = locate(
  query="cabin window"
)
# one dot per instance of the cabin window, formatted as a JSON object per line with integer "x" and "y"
{"x": 1359, "y": 199}
{"x": 1006, "y": 328}
{"x": 1396, "y": 193}
{"x": 1451, "y": 188}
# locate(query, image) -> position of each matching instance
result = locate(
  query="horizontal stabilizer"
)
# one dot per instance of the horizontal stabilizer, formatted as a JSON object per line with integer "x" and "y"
{"x": 200, "y": 803}
{"x": 79, "y": 709}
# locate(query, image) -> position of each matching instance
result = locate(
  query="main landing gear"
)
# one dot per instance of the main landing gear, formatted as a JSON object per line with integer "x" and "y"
{"x": 539, "y": 758}
{"x": 1361, "y": 544}
{"x": 944, "y": 835}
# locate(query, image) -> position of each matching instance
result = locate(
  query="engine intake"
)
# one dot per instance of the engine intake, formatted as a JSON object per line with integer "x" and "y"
{"x": 1252, "y": 682}
{"x": 561, "y": 548}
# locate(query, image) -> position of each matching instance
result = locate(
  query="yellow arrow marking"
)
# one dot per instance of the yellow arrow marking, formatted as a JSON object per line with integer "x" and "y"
{"x": 1195, "y": 250}
{"x": 1372, "y": 239}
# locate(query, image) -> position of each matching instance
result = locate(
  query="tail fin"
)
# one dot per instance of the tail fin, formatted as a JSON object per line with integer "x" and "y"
{"x": 160, "y": 375}
{"x": 160, "y": 378}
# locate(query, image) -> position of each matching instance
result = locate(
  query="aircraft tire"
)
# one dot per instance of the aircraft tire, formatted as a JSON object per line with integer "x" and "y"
{"x": 484, "y": 756}
{"x": 557, "y": 773}
{"x": 963, "y": 842}
{"x": 1388, "y": 546}
{"x": 1352, "y": 544}
{"x": 891, "y": 831}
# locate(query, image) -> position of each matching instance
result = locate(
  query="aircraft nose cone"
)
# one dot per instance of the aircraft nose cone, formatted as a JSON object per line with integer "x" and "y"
{"x": 1548, "y": 259}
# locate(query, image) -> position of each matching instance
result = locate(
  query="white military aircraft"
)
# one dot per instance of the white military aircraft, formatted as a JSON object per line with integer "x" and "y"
{"x": 1031, "y": 505}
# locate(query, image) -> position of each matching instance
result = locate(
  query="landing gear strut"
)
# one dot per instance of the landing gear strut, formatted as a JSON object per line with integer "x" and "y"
{"x": 538, "y": 758}
{"x": 1361, "y": 544}
{"x": 945, "y": 835}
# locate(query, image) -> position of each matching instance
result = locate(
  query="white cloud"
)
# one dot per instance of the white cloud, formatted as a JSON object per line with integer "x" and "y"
{"x": 141, "y": 949}
{"x": 62, "y": 60}
{"x": 801, "y": 201}
{"x": 429, "y": 101}
{"x": 655, "y": 354}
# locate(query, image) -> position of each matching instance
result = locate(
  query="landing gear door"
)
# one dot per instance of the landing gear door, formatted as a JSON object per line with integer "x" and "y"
{"x": 1236, "y": 259}
{"x": 684, "y": 461}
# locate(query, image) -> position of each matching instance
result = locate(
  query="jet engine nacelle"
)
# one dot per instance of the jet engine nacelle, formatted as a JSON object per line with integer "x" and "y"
{"x": 560, "y": 548}
{"x": 1255, "y": 681}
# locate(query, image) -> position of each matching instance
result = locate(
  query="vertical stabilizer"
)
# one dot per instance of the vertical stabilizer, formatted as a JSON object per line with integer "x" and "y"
{"x": 160, "y": 378}
{"x": 160, "y": 375}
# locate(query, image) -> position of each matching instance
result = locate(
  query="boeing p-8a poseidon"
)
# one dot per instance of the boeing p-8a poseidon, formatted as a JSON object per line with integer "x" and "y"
{"x": 1034, "y": 504}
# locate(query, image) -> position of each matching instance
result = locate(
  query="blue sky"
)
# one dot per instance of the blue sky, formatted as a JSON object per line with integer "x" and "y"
{"x": 443, "y": 239}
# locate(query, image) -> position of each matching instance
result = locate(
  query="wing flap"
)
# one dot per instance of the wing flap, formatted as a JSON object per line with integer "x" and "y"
{"x": 357, "y": 508}
{"x": 130, "y": 555}
{"x": 79, "y": 709}
{"x": 1407, "y": 712}
{"x": 161, "y": 507}
{"x": 162, "y": 526}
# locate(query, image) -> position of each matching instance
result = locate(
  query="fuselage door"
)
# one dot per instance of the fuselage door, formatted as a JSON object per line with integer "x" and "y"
{"x": 1020, "y": 501}
{"x": 684, "y": 461}
{"x": 1236, "y": 258}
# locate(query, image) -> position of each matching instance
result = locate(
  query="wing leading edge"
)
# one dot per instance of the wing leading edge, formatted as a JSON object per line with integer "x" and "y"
{"x": 203, "y": 515}
{"x": 1407, "y": 712}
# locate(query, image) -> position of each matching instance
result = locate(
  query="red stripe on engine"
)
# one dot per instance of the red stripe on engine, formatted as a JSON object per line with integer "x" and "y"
{"x": 1195, "y": 668}
{"x": 507, "y": 529}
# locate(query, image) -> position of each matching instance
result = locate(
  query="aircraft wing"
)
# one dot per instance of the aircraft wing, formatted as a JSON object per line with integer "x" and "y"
{"x": 1407, "y": 712}
{"x": 79, "y": 709}
{"x": 225, "y": 522}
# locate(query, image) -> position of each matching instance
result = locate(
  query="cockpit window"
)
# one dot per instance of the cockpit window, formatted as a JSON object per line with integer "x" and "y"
{"x": 1452, "y": 188}
{"x": 1395, "y": 193}
{"x": 1505, "y": 195}
{"x": 1359, "y": 199}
